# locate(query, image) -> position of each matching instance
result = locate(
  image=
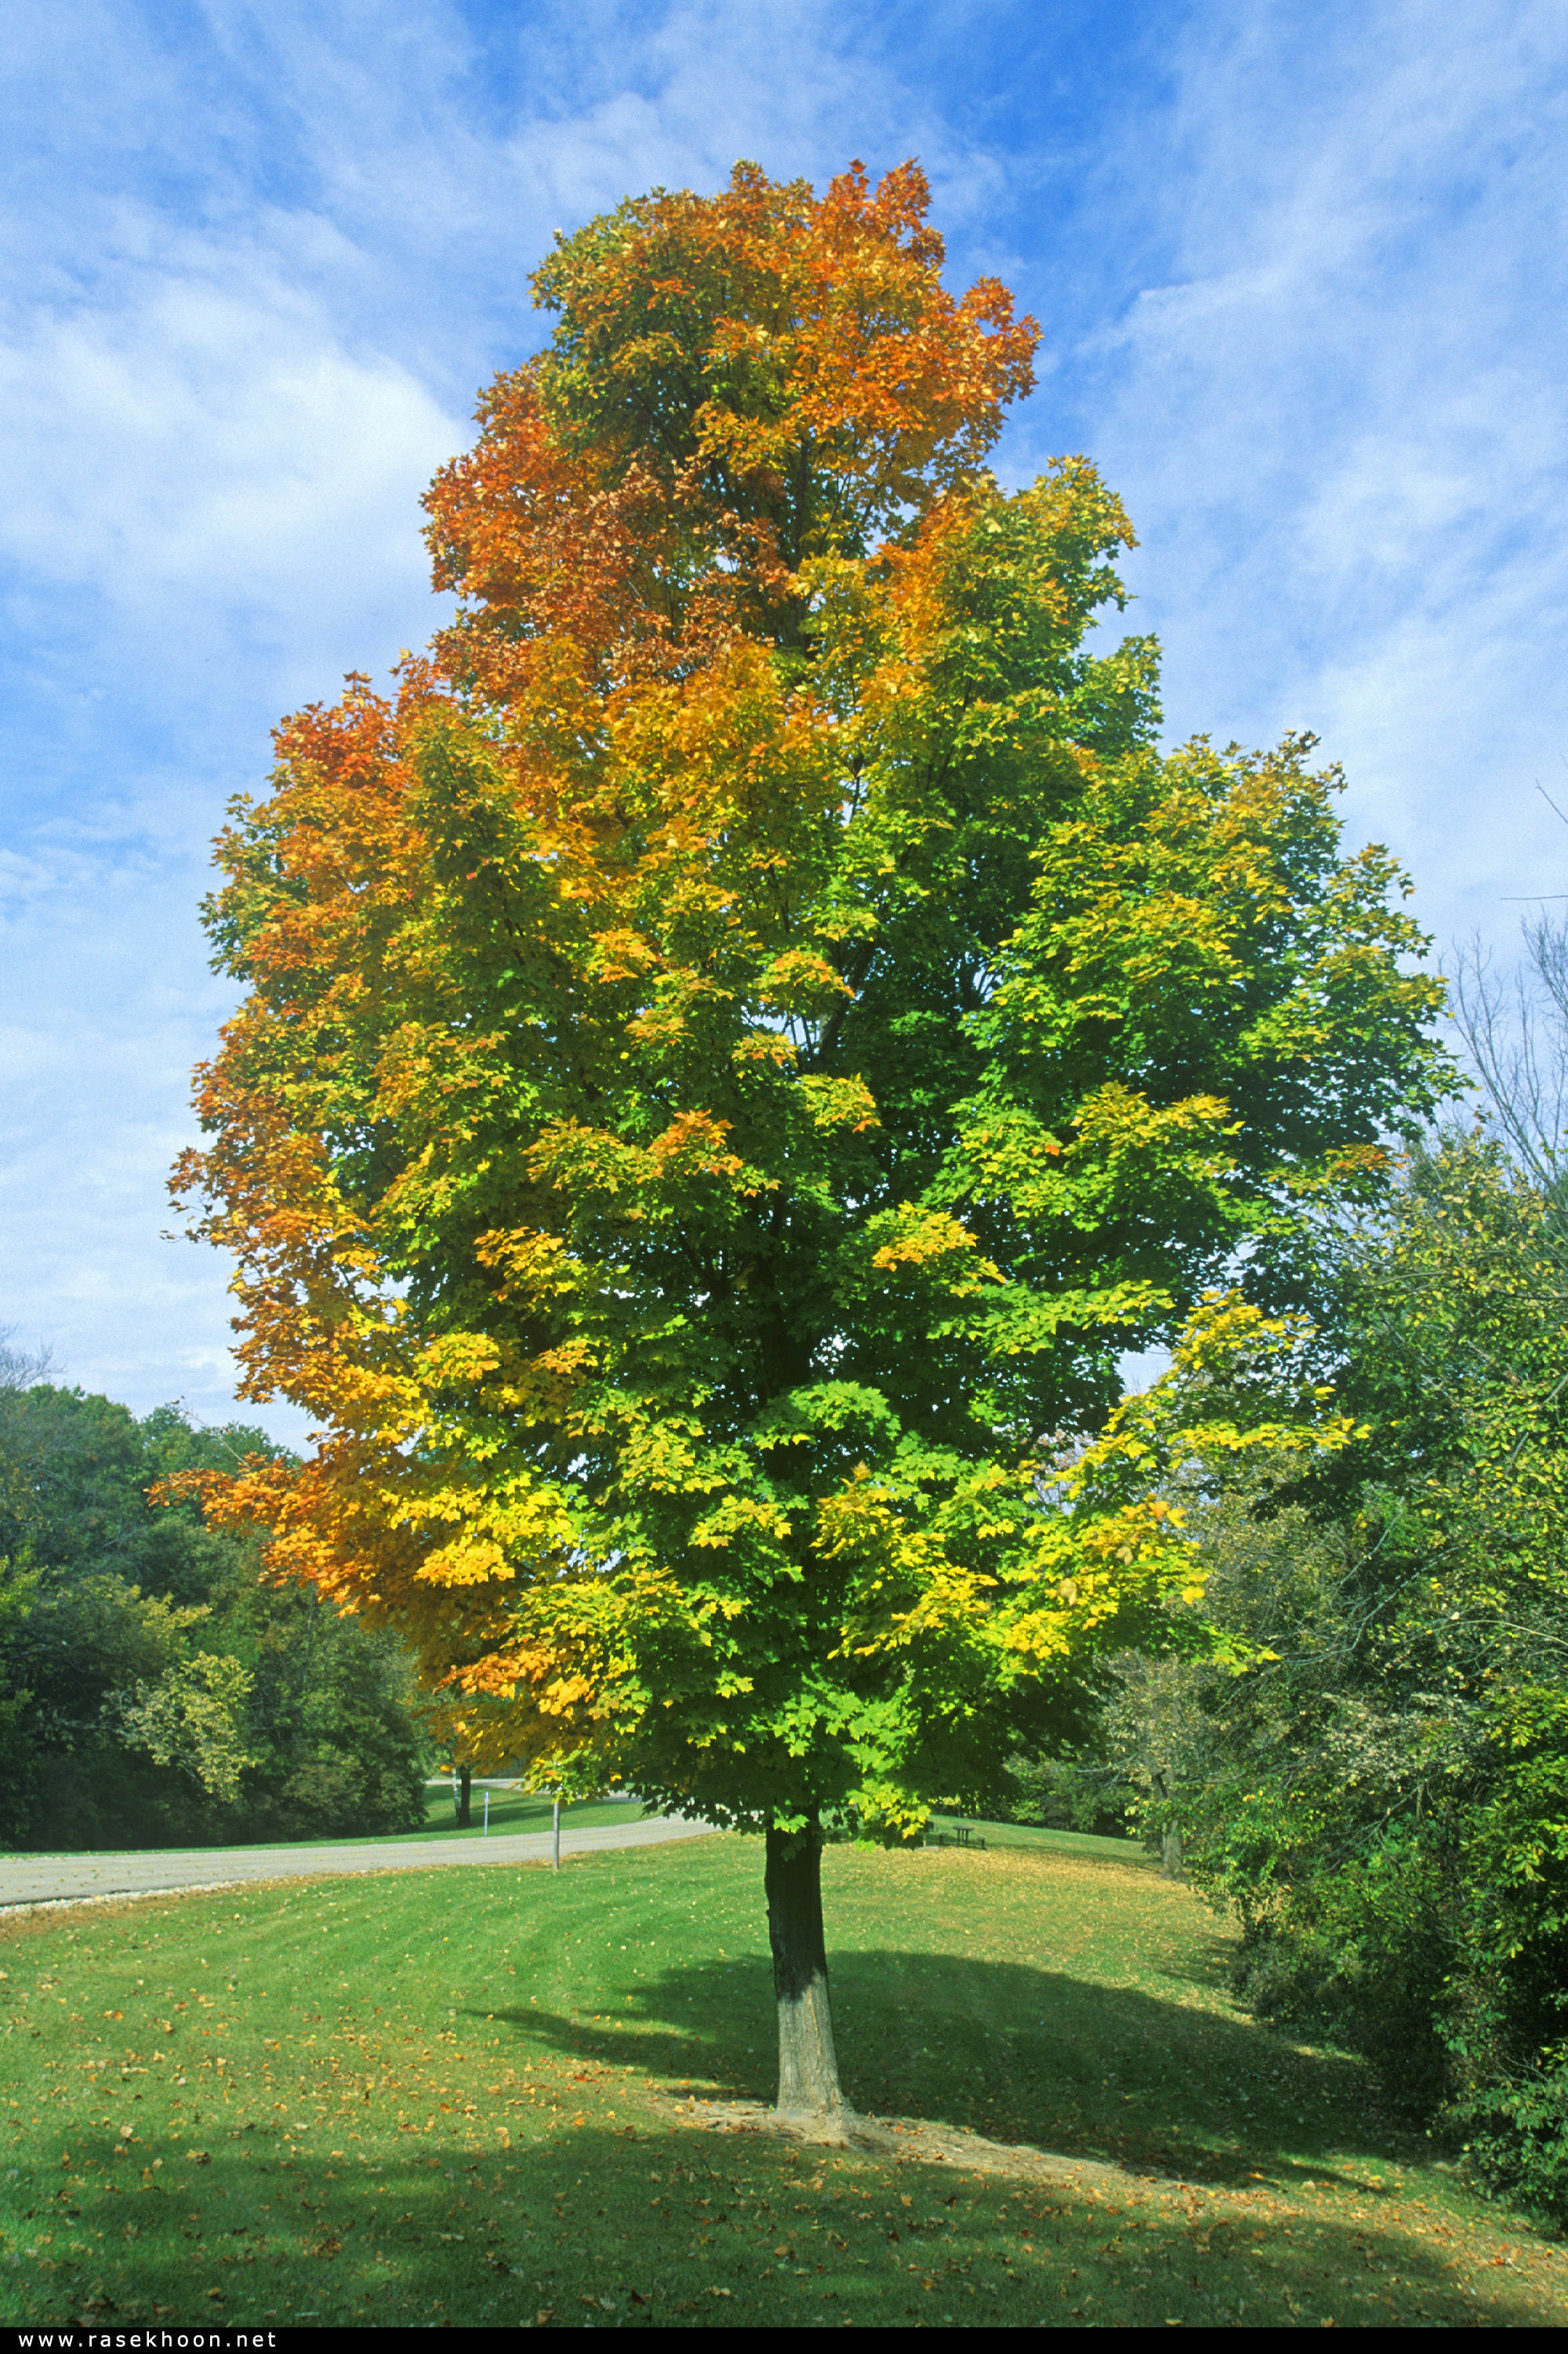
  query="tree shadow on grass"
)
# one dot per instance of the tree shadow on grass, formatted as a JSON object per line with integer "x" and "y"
{"x": 663, "y": 2226}
{"x": 1017, "y": 2053}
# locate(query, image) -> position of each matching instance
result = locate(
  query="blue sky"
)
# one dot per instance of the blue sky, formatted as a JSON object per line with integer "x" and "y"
{"x": 1301, "y": 278}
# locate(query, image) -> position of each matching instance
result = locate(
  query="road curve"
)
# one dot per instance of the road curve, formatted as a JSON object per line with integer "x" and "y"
{"x": 57, "y": 1879}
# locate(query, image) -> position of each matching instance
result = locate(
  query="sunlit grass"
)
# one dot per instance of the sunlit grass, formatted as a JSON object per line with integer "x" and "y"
{"x": 395, "y": 2101}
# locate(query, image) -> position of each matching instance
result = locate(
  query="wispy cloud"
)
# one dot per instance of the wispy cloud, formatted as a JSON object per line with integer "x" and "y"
{"x": 1341, "y": 423}
{"x": 260, "y": 263}
{"x": 219, "y": 458}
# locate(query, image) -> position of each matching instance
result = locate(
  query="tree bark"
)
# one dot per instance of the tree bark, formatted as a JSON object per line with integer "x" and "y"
{"x": 1170, "y": 1864}
{"x": 461, "y": 1795}
{"x": 808, "y": 2066}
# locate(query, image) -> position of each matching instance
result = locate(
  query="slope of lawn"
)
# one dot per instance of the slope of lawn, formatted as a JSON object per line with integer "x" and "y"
{"x": 395, "y": 2101}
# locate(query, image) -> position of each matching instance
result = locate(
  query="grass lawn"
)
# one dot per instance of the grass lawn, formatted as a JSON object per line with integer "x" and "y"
{"x": 516, "y": 1810}
{"x": 393, "y": 2100}
{"x": 1025, "y": 1835}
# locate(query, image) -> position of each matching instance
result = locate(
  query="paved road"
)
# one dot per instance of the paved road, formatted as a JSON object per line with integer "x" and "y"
{"x": 49, "y": 1879}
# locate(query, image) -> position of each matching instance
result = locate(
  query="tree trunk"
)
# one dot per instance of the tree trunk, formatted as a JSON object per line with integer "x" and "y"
{"x": 461, "y": 1793}
{"x": 1170, "y": 1864}
{"x": 807, "y": 2068}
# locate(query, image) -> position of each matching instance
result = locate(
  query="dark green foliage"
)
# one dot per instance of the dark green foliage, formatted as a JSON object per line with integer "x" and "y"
{"x": 1378, "y": 1785}
{"x": 78, "y": 1653}
{"x": 333, "y": 1710}
{"x": 154, "y": 1689}
{"x": 71, "y": 1469}
{"x": 1069, "y": 1793}
{"x": 1519, "y": 2138}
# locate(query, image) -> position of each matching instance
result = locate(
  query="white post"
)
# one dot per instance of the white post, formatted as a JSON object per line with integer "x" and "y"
{"x": 556, "y": 1864}
{"x": 487, "y": 1814}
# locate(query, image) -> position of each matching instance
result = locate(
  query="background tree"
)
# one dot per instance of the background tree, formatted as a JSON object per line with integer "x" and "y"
{"x": 1379, "y": 1790}
{"x": 1515, "y": 1031}
{"x": 738, "y": 1046}
{"x": 158, "y": 1690}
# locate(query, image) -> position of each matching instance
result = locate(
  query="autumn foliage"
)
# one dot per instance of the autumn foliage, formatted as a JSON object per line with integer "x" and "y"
{"x": 736, "y": 1045}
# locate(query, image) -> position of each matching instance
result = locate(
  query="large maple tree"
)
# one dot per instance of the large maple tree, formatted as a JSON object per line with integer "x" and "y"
{"x": 744, "y": 1036}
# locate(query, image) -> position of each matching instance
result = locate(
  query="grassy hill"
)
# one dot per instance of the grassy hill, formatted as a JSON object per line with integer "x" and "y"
{"x": 397, "y": 2102}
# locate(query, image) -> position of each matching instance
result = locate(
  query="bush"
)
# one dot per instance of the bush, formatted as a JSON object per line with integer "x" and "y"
{"x": 1363, "y": 1958}
{"x": 1518, "y": 2139}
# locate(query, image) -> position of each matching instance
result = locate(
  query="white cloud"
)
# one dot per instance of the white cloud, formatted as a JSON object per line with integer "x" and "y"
{"x": 1341, "y": 429}
{"x": 259, "y": 264}
{"x": 214, "y": 467}
{"x": 107, "y": 999}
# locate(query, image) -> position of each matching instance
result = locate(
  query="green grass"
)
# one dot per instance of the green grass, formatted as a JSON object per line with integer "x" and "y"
{"x": 514, "y": 1810}
{"x": 389, "y": 2101}
{"x": 1027, "y": 1836}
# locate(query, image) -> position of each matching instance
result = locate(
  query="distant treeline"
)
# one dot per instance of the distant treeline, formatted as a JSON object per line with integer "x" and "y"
{"x": 154, "y": 1687}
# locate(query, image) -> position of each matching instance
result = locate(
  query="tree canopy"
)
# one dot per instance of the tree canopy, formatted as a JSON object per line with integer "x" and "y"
{"x": 743, "y": 1038}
